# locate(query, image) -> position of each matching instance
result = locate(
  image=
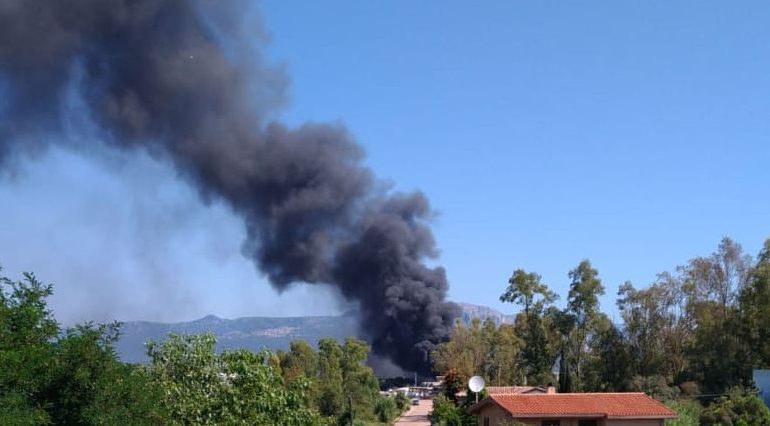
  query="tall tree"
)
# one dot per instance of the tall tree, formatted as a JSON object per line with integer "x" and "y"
{"x": 610, "y": 363}
{"x": 359, "y": 382}
{"x": 465, "y": 351}
{"x": 300, "y": 361}
{"x": 719, "y": 357}
{"x": 527, "y": 290}
{"x": 583, "y": 304}
{"x": 331, "y": 400}
{"x": 717, "y": 279}
{"x": 755, "y": 309}
{"x": 654, "y": 326}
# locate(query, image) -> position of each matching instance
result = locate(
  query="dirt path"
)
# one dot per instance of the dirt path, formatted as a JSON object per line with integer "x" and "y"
{"x": 417, "y": 415}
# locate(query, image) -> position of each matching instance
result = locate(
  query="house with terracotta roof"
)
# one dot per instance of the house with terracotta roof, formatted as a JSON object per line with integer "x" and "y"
{"x": 572, "y": 409}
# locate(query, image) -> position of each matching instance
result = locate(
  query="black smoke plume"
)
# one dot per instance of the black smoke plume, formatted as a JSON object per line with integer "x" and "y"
{"x": 184, "y": 81}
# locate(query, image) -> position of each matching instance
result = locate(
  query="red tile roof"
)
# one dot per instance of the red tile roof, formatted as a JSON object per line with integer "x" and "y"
{"x": 596, "y": 405}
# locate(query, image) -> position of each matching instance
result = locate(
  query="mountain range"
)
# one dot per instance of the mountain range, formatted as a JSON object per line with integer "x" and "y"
{"x": 258, "y": 333}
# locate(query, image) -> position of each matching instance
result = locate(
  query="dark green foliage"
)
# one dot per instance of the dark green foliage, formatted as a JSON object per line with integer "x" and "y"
{"x": 447, "y": 413}
{"x": 536, "y": 355}
{"x": 754, "y": 313}
{"x": 331, "y": 400}
{"x": 75, "y": 378}
{"x": 385, "y": 408}
{"x": 527, "y": 290}
{"x": 402, "y": 402}
{"x": 583, "y": 306}
{"x": 234, "y": 388}
{"x": 738, "y": 408}
{"x": 610, "y": 365}
{"x": 336, "y": 376}
{"x": 26, "y": 330}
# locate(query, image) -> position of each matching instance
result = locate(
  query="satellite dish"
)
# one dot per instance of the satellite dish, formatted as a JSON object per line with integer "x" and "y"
{"x": 476, "y": 384}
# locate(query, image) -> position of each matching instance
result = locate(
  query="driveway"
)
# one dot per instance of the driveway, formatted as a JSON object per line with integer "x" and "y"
{"x": 417, "y": 415}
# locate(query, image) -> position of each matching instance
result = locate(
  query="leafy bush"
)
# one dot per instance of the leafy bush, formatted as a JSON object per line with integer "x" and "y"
{"x": 72, "y": 378}
{"x": 385, "y": 408}
{"x": 447, "y": 413}
{"x": 689, "y": 411}
{"x": 239, "y": 387}
{"x": 402, "y": 402}
{"x": 739, "y": 407}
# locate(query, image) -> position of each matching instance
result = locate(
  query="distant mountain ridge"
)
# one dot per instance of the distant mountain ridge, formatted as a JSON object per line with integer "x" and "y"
{"x": 483, "y": 313}
{"x": 258, "y": 333}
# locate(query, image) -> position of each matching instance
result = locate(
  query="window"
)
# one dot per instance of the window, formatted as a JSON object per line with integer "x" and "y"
{"x": 550, "y": 423}
{"x": 486, "y": 421}
{"x": 586, "y": 422}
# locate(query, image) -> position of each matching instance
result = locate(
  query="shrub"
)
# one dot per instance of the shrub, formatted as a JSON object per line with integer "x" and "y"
{"x": 689, "y": 411}
{"x": 385, "y": 409}
{"x": 739, "y": 407}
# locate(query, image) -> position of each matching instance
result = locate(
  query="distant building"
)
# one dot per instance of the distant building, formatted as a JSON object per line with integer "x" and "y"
{"x": 572, "y": 409}
{"x": 762, "y": 382}
{"x": 509, "y": 390}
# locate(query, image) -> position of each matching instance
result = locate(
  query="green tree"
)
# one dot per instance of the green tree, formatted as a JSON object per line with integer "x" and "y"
{"x": 27, "y": 328}
{"x": 238, "y": 387}
{"x": 610, "y": 361}
{"x": 447, "y": 413}
{"x": 754, "y": 309}
{"x": 90, "y": 386}
{"x": 359, "y": 382}
{"x": 504, "y": 356}
{"x": 527, "y": 290}
{"x": 402, "y": 402}
{"x": 385, "y": 409}
{"x": 331, "y": 398}
{"x": 561, "y": 327}
{"x": 465, "y": 352}
{"x": 300, "y": 361}
{"x": 71, "y": 378}
{"x": 583, "y": 305}
{"x": 654, "y": 326}
{"x": 739, "y": 407}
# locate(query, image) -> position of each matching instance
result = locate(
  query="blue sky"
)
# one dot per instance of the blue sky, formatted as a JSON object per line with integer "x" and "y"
{"x": 634, "y": 134}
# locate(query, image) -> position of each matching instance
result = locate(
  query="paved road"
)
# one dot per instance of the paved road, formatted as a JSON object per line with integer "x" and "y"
{"x": 417, "y": 415}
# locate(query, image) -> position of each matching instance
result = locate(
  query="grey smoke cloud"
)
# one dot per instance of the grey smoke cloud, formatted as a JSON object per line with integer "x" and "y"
{"x": 176, "y": 79}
